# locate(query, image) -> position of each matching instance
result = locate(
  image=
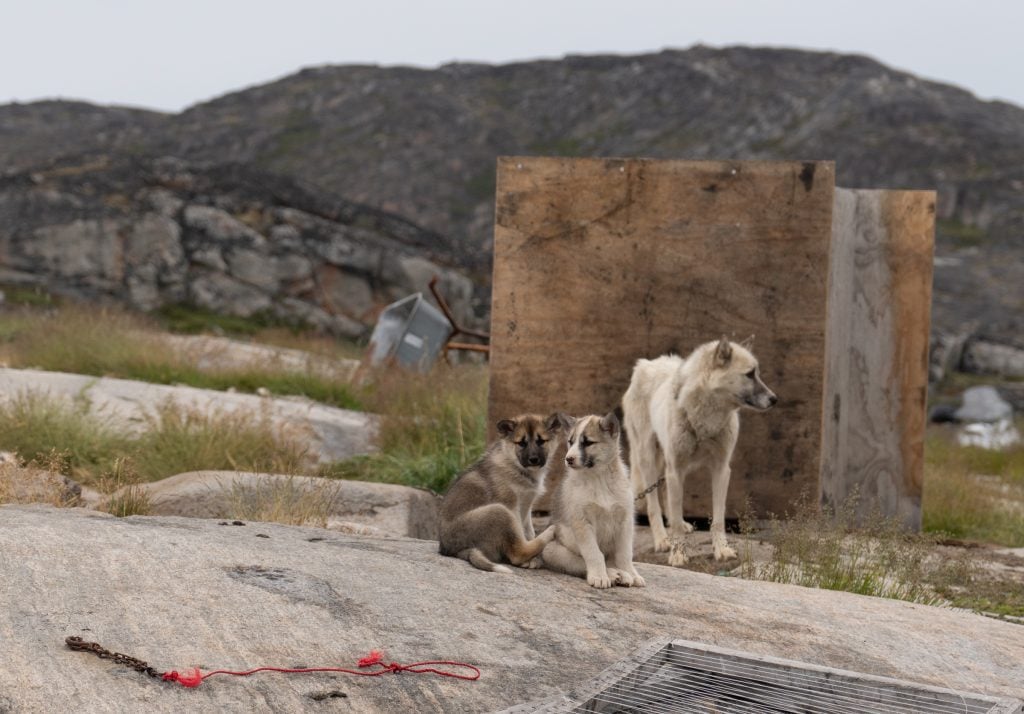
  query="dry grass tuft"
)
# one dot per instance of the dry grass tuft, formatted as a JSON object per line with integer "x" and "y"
{"x": 832, "y": 550}
{"x": 122, "y": 481}
{"x": 180, "y": 439}
{"x": 289, "y": 500}
{"x": 36, "y": 483}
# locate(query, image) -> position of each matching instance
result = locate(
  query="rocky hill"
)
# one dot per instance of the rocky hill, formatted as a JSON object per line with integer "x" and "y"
{"x": 422, "y": 143}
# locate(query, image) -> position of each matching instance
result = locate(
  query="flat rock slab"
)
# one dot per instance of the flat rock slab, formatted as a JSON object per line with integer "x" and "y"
{"x": 387, "y": 508}
{"x": 222, "y": 353}
{"x": 180, "y": 592}
{"x": 334, "y": 434}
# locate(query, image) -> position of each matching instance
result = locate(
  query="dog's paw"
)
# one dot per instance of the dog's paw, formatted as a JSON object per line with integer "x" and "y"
{"x": 620, "y": 577}
{"x": 548, "y": 535}
{"x": 678, "y": 557}
{"x": 638, "y": 582}
{"x": 662, "y": 544}
{"x": 501, "y": 569}
{"x": 533, "y": 563}
{"x": 599, "y": 580}
{"x": 724, "y": 552}
{"x": 680, "y": 529}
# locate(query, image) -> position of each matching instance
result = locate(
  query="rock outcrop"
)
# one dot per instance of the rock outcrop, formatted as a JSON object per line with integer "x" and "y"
{"x": 183, "y": 593}
{"x": 229, "y": 239}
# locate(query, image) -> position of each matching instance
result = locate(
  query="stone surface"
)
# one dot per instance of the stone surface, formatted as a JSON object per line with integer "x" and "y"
{"x": 983, "y": 404}
{"x": 386, "y": 508}
{"x": 334, "y": 434}
{"x": 185, "y": 592}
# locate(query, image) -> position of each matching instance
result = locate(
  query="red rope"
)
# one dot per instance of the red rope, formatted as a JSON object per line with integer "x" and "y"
{"x": 374, "y": 659}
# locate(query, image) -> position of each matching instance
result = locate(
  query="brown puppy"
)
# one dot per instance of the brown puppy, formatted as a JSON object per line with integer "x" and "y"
{"x": 485, "y": 516}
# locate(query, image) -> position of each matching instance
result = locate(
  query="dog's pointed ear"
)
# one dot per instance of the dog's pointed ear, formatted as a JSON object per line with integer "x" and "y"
{"x": 723, "y": 352}
{"x": 610, "y": 425}
{"x": 748, "y": 343}
{"x": 553, "y": 423}
{"x": 506, "y": 427}
{"x": 565, "y": 421}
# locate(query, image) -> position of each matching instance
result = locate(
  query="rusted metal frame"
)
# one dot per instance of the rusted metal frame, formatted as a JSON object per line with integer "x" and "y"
{"x": 456, "y": 328}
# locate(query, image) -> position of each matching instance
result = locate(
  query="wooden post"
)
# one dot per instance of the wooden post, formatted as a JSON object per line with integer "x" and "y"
{"x": 877, "y": 373}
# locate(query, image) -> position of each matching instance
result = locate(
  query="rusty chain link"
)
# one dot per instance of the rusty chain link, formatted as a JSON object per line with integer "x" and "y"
{"x": 650, "y": 488}
{"x": 80, "y": 645}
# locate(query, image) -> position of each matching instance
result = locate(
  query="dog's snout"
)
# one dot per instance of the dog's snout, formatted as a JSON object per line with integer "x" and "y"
{"x": 772, "y": 400}
{"x": 571, "y": 460}
{"x": 534, "y": 460}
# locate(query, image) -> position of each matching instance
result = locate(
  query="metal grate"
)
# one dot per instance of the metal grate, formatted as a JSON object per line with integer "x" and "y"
{"x": 680, "y": 676}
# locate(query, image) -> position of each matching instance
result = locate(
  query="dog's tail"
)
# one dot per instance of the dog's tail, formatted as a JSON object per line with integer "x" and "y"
{"x": 477, "y": 559}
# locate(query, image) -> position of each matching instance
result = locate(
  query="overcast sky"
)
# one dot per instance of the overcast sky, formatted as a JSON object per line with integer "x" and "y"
{"x": 173, "y": 53}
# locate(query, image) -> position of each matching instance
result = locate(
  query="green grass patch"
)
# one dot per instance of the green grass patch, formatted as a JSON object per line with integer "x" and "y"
{"x": 962, "y": 234}
{"x": 988, "y": 595}
{"x": 191, "y": 320}
{"x": 432, "y": 427}
{"x": 179, "y": 440}
{"x": 561, "y": 146}
{"x": 113, "y": 343}
{"x": 973, "y": 493}
{"x": 28, "y": 296}
{"x": 95, "y": 452}
{"x": 36, "y": 426}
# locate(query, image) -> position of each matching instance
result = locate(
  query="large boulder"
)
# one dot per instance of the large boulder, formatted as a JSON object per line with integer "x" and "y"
{"x": 183, "y": 593}
{"x": 384, "y": 507}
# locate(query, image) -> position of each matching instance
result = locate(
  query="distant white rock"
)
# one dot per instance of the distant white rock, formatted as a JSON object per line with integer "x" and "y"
{"x": 996, "y": 436}
{"x": 983, "y": 404}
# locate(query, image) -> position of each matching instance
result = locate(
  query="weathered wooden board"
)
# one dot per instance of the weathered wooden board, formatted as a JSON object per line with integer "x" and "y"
{"x": 877, "y": 372}
{"x": 600, "y": 262}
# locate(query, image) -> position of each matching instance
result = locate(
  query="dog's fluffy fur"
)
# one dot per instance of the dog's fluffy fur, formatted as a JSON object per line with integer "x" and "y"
{"x": 681, "y": 417}
{"x": 485, "y": 515}
{"x": 593, "y": 507}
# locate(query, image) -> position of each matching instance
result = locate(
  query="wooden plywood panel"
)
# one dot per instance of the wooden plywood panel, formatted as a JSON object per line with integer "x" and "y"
{"x": 600, "y": 262}
{"x": 877, "y": 376}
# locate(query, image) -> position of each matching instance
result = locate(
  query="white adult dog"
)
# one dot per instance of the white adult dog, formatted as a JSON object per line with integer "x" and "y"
{"x": 681, "y": 417}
